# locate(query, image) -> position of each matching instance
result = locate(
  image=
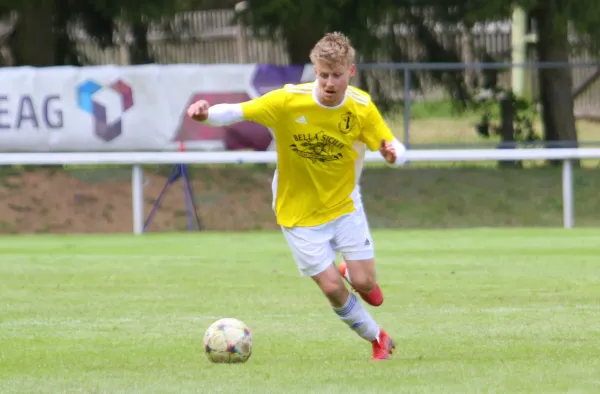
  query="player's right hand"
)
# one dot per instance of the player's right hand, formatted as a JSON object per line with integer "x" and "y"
{"x": 199, "y": 110}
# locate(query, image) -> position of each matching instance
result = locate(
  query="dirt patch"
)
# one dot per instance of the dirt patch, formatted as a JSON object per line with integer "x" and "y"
{"x": 50, "y": 201}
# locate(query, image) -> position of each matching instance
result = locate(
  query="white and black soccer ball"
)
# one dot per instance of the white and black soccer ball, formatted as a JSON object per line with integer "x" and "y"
{"x": 228, "y": 341}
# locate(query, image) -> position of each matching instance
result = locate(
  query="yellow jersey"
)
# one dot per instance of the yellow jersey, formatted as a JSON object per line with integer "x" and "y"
{"x": 320, "y": 150}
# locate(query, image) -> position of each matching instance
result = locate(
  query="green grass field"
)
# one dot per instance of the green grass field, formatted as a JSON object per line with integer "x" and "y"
{"x": 472, "y": 311}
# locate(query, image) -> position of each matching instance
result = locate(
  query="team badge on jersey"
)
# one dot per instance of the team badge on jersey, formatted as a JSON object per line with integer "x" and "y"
{"x": 347, "y": 122}
{"x": 317, "y": 147}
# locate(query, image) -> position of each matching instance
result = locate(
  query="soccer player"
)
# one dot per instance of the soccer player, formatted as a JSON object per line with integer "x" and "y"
{"x": 321, "y": 131}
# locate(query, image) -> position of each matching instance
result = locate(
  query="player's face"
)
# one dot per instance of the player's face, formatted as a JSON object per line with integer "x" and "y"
{"x": 333, "y": 80}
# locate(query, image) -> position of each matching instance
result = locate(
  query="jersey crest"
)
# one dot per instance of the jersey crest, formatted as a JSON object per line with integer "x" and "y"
{"x": 347, "y": 122}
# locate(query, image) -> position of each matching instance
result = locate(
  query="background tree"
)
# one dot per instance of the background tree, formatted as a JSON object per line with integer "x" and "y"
{"x": 45, "y": 30}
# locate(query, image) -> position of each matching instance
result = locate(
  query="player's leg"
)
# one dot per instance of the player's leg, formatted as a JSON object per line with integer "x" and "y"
{"x": 353, "y": 239}
{"x": 351, "y": 311}
{"x": 315, "y": 257}
{"x": 360, "y": 274}
{"x": 346, "y": 305}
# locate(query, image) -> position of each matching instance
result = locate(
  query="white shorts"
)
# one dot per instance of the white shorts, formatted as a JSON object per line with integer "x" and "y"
{"x": 314, "y": 248}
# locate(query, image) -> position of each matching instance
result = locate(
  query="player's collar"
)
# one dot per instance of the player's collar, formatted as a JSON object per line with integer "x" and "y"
{"x": 316, "y": 98}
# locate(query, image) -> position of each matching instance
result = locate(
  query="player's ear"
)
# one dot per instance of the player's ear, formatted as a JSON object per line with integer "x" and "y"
{"x": 352, "y": 69}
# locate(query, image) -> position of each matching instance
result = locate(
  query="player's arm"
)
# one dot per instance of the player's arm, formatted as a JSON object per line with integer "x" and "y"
{"x": 262, "y": 110}
{"x": 224, "y": 115}
{"x": 377, "y": 136}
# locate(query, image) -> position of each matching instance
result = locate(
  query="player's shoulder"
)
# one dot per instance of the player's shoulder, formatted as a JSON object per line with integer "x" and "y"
{"x": 300, "y": 88}
{"x": 359, "y": 96}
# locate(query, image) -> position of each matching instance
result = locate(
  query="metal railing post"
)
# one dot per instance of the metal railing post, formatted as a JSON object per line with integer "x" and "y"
{"x": 567, "y": 190}
{"x": 137, "y": 198}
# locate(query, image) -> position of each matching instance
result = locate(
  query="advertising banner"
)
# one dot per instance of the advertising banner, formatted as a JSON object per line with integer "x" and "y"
{"x": 131, "y": 108}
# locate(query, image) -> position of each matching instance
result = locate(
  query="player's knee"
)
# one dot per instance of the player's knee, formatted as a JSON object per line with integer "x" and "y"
{"x": 362, "y": 274}
{"x": 331, "y": 284}
{"x": 365, "y": 281}
{"x": 334, "y": 291}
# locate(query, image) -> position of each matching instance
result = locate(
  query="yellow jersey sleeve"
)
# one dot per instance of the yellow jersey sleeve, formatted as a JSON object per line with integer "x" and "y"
{"x": 265, "y": 109}
{"x": 375, "y": 129}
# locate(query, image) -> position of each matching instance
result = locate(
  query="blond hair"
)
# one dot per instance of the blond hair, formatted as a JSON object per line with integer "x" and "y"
{"x": 333, "y": 48}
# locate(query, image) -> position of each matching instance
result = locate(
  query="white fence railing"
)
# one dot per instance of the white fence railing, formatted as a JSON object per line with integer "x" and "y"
{"x": 136, "y": 159}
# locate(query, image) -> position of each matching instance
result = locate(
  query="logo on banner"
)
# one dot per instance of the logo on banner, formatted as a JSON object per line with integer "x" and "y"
{"x": 106, "y": 104}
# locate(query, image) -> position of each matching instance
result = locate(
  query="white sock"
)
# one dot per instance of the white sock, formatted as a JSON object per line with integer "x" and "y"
{"x": 358, "y": 319}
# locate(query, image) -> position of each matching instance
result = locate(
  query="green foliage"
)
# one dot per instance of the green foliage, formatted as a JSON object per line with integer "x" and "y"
{"x": 491, "y": 116}
{"x": 585, "y": 17}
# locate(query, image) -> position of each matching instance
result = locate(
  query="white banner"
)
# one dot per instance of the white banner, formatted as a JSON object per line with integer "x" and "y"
{"x": 142, "y": 108}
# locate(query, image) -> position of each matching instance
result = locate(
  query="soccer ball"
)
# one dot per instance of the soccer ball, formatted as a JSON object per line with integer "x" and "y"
{"x": 228, "y": 341}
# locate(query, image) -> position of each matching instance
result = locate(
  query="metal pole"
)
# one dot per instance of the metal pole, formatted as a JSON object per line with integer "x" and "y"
{"x": 407, "y": 105}
{"x": 567, "y": 189}
{"x": 137, "y": 199}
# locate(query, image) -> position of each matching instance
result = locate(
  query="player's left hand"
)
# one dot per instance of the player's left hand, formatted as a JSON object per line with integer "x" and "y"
{"x": 388, "y": 151}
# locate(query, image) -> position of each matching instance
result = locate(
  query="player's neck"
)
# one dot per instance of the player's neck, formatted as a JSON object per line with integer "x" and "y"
{"x": 329, "y": 104}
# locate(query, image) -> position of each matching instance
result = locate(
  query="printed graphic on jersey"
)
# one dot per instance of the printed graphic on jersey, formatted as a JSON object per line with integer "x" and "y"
{"x": 347, "y": 122}
{"x": 317, "y": 147}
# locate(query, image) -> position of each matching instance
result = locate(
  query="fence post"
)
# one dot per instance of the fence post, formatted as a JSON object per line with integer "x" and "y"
{"x": 407, "y": 104}
{"x": 137, "y": 198}
{"x": 567, "y": 189}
